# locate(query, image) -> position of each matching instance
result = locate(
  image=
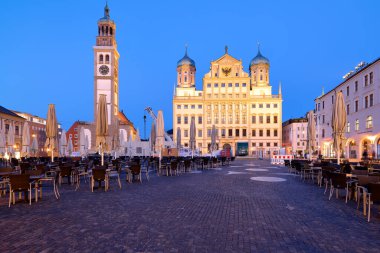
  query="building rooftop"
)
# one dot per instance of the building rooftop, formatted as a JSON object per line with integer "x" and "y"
{"x": 295, "y": 120}
{"x": 354, "y": 74}
{"x": 9, "y": 112}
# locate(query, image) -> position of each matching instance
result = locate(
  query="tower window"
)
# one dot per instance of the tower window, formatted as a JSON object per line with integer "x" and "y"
{"x": 107, "y": 58}
{"x": 111, "y": 30}
{"x": 106, "y": 30}
{"x": 261, "y": 77}
{"x": 185, "y": 79}
{"x": 102, "y": 30}
{"x": 101, "y": 58}
{"x": 99, "y": 30}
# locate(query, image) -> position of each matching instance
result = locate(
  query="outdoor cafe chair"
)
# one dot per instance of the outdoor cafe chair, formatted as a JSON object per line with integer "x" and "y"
{"x": 373, "y": 193}
{"x": 145, "y": 168}
{"x": 99, "y": 175}
{"x": 174, "y": 168}
{"x": 338, "y": 181}
{"x": 136, "y": 171}
{"x": 21, "y": 184}
{"x": 65, "y": 171}
{"x": 361, "y": 188}
{"x": 114, "y": 172}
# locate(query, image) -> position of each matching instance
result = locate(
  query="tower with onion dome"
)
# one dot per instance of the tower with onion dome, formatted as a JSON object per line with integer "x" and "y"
{"x": 186, "y": 72}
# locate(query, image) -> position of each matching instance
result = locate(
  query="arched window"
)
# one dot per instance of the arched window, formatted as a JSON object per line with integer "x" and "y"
{"x": 107, "y": 58}
{"x": 369, "y": 122}
{"x": 106, "y": 30}
{"x": 348, "y": 127}
{"x": 99, "y": 30}
{"x": 185, "y": 79}
{"x": 102, "y": 30}
{"x": 261, "y": 77}
{"x": 111, "y": 30}
{"x": 101, "y": 58}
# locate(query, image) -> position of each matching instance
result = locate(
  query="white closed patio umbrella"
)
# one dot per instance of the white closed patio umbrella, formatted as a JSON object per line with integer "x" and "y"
{"x": 25, "y": 139}
{"x": 51, "y": 130}
{"x": 102, "y": 125}
{"x": 82, "y": 142}
{"x": 121, "y": 140}
{"x": 310, "y": 132}
{"x": 138, "y": 138}
{"x": 179, "y": 137}
{"x": 11, "y": 138}
{"x": 160, "y": 138}
{"x": 2, "y": 141}
{"x": 70, "y": 147}
{"x": 213, "y": 139}
{"x": 192, "y": 136}
{"x": 338, "y": 124}
{"x": 63, "y": 143}
{"x": 34, "y": 146}
{"x": 152, "y": 138}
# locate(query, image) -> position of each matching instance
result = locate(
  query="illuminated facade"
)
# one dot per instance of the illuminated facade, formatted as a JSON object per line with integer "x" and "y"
{"x": 241, "y": 105}
{"x": 361, "y": 91}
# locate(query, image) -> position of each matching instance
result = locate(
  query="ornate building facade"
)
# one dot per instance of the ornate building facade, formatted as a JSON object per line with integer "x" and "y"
{"x": 241, "y": 105}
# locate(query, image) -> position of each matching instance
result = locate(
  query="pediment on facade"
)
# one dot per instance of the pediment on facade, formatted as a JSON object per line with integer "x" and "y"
{"x": 227, "y": 59}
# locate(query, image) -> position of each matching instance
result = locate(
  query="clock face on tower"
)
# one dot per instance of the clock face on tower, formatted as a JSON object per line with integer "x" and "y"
{"x": 104, "y": 70}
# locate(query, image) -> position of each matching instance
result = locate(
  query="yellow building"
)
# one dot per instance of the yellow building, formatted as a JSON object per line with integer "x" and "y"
{"x": 241, "y": 106}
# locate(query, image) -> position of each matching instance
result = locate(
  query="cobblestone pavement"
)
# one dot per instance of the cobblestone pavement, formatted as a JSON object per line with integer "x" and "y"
{"x": 218, "y": 210}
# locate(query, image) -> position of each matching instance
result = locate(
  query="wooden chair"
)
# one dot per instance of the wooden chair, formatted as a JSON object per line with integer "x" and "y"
{"x": 21, "y": 184}
{"x": 136, "y": 171}
{"x": 99, "y": 175}
{"x": 373, "y": 196}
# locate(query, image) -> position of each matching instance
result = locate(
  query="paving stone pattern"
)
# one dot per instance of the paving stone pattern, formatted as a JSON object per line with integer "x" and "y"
{"x": 212, "y": 211}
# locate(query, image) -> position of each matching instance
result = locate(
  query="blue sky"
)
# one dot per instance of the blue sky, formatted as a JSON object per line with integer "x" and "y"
{"x": 46, "y": 47}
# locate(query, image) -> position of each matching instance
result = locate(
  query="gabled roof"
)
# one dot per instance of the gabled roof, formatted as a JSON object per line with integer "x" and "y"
{"x": 9, "y": 112}
{"x": 121, "y": 116}
{"x": 226, "y": 59}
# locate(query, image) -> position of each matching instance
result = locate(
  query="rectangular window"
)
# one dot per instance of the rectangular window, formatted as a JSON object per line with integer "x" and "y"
{"x": 319, "y": 107}
{"x": 223, "y": 132}
{"x": 323, "y": 119}
{"x": 268, "y": 105}
{"x": 215, "y": 85}
{"x": 275, "y": 144}
{"x": 323, "y": 104}
{"x": 268, "y": 119}
{"x": 371, "y": 78}
{"x": 208, "y": 118}
{"x": 356, "y": 106}
{"x": 275, "y": 133}
{"x": 186, "y": 133}
{"x": 186, "y": 106}
{"x": 253, "y": 105}
{"x": 268, "y": 144}
{"x": 237, "y": 133}
{"x": 357, "y": 125}
{"x": 199, "y": 133}
{"x": 348, "y": 109}
{"x": 356, "y": 86}
{"x": 260, "y": 144}
{"x": 254, "y": 132}
{"x": 244, "y": 132}
{"x": 178, "y": 106}
{"x": 229, "y": 118}
{"x": 192, "y": 106}
{"x": 366, "y": 102}
{"x": 199, "y": 106}
{"x": 348, "y": 90}
{"x": 230, "y": 85}
{"x": 261, "y": 133}
{"x": 223, "y": 85}
{"x": 244, "y": 85}
{"x": 253, "y": 144}
{"x": 199, "y": 119}
{"x": 348, "y": 127}
{"x": 236, "y": 84}
{"x": 275, "y": 105}
{"x": 261, "y": 119}
{"x": 178, "y": 119}
{"x": 275, "y": 119}
{"x": 366, "y": 80}
{"x": 332, "y": 99}
{"x": 186, "y": 120}
{"x": 260, "y": 105}
{"x": 268, "y": 133}
{"x": 229, "y": 132}
{"x": 209, "y": 85}
{"x": 371, "y": 100}
{"x": 209, "y": 132}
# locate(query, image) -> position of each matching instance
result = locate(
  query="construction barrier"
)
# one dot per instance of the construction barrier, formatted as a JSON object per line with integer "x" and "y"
{"x": 279, "y": 159}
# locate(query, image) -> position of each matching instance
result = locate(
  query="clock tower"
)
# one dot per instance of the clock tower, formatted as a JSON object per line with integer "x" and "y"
{"x": 106, "y": 65}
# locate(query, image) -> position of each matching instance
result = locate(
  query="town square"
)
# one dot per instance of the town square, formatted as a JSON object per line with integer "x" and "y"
{"x": 203, "y": 126}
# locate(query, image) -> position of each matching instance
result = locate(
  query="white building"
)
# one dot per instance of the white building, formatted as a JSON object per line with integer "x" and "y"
{"x": 294, "y": 136}
{"x": 361, "y": 90}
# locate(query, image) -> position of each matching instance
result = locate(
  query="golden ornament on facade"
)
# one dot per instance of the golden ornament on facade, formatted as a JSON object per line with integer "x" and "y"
{"x": 226, "y": 71}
